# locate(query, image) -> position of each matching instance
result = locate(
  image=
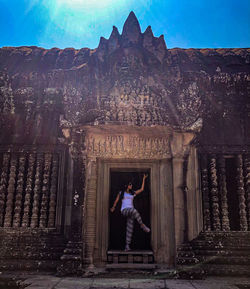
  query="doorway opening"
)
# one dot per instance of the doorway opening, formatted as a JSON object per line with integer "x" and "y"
{"x": 117, "y": 223}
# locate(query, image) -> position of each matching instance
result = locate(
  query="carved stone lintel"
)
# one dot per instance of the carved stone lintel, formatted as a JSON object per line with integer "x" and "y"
{"x": 223, "y": 195}
{"x": 3, "y": 185}
{"x": 205, "y": 193}
{"x": 214, "y": 194}
{"x": 11, "y": 191}
{"x": 28, "y": 191}
{"x": 241, "y": 194}
{"x": 19, "y": 191}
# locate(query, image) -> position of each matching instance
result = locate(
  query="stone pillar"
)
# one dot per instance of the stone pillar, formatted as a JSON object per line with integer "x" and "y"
{"x": 90, "y": 212}
{"x": 179, "y": 208}
{"x": 214, "y": 194}
{"x": 241, "y": 194}
{"x": 205, "y": 193}
{"x": 180, "y": 147}
{"x": 3, "y": 185}
{"x": 223, "y": 195}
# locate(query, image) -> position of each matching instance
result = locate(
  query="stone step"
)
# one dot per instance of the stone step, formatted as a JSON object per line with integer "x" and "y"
{"x": 137, "y": 256}
{"x": 29, "y": 265}
{"x": 132, "y": 266}
{"x": 132, "y": 252}
{"x": 227, "y": 270}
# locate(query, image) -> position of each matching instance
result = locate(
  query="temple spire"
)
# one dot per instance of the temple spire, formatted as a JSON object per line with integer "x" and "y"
{"x": 131, "y": 30}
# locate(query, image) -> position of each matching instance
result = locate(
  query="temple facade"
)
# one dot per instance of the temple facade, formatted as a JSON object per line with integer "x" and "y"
{"x": 77, "y": 125}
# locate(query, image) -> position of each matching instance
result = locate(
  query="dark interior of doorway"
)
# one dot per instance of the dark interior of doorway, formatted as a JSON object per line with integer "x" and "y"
{"x": 117, "y": 232}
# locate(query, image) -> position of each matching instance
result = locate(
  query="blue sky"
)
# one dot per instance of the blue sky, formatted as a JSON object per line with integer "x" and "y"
{"x": 81, "y": 23}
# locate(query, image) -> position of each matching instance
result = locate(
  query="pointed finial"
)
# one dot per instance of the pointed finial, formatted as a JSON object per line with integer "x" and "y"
{"x": 149, "y": 31}
{"x": 131, "y": 30}
{"x": 114, "y": 40}
{"x": 114, "y": 33}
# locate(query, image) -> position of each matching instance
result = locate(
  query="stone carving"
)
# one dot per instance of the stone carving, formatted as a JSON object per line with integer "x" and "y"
{"x": 223, "y": 195}
{"x": 19, "y": 191}
{"x": 214, "y": 194}
{"x": 128, "y": 146}
{"x": 28, "y": 191}
{"x": 205, "y": 194}
{"x": 53, "y": 192}
{"x": 3, "y": 185}
{"x": 37, "y": 191}
{"x": 241, "y": 194}
{"x": 11, "y": 191}
{"x": 45, "y": 191}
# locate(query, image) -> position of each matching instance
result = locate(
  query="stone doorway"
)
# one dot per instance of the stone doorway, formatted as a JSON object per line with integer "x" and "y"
{"x": 117, "y": 223}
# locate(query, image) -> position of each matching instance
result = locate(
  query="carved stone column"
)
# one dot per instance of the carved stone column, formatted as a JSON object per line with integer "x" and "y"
{"x": 28, "y": 191}
{"x": 214, "y": 194}
{"x": 37, "y": 191}
{"x": 241, "y": 194}
{"x": 19, "y": 191}
{"x": 45, "y": 191}
{"x": 247, "y": 182}
{"x": 3, "y": 185}
{"x": 53, "y": 192}
{"x": 11, "y": 191}
{"x": 223, "y": 195}
{"x": 205, "y": 193}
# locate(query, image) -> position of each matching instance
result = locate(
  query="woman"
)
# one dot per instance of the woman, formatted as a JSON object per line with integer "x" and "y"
{"x": 128, "y": 210}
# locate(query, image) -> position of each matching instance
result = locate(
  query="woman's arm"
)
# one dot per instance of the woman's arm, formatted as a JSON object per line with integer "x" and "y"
{"x": 142, "y": 185}
{"x": 115, "y": 203}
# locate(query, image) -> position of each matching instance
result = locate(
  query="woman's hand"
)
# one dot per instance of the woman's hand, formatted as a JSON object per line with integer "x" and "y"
{"x": 112, "y": 209}
{"x": 145, "y": 176}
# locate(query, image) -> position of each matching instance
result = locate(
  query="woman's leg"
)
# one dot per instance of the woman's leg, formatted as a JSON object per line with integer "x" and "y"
{"x": 132, "y": 213}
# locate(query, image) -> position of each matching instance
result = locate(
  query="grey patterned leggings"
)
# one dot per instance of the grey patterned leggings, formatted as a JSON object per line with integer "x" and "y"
{"x": 131, "y": 214}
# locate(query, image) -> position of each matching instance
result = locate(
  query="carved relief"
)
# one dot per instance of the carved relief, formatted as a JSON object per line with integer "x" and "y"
{"x": 128, "y": 146}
